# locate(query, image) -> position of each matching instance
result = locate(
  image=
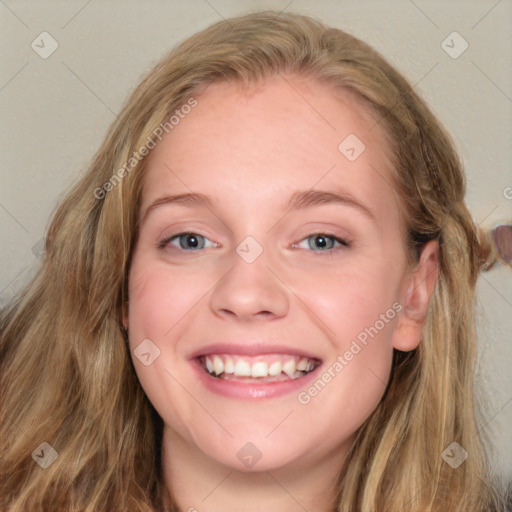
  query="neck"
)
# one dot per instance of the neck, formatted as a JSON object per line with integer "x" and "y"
{"x": 199, "y": 483}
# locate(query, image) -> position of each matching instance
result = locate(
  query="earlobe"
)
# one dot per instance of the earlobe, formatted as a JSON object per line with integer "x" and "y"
{"x": 419, "y": 286}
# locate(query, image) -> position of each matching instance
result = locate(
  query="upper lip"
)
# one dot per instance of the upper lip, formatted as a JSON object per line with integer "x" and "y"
{"x": 250, "y": 349}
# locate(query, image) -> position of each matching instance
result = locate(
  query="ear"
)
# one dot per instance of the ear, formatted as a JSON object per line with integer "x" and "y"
{"x": 418, "y": 288}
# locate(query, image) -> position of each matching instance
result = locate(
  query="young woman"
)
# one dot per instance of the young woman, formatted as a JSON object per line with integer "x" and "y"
{"x": 259, "y": 297}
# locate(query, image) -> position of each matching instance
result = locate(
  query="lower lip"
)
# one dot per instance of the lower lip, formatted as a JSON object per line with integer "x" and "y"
{"x": 251, "y": 390}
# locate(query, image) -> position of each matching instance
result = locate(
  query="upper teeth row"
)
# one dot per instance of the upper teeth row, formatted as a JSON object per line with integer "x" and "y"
{"x": 243, "y": 367}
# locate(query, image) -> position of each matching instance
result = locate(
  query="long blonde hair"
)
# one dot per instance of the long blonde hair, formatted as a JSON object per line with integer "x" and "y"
{"x": 67, "y": 376}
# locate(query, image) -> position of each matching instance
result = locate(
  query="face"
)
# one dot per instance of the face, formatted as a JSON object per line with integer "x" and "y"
{"x": 269, "y": 275}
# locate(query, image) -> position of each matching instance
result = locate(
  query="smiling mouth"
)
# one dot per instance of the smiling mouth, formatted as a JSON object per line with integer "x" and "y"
{"x": 264, "y": 368}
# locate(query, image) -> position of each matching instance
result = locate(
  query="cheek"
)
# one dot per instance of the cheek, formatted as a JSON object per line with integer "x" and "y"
{"x": 352, "y": 382}
{"x": 352, "y": 300}
{"x": 160, "y": 298}
{"x": 360, "y": 308}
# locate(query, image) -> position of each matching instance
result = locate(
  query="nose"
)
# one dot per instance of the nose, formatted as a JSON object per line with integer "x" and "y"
{"x": 250, "y": 291}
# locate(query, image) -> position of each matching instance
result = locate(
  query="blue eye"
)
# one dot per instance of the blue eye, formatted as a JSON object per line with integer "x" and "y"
{"x": 187, "y": 241}
{"x": 322, "y": 242}
{"x": 318, "y": 242}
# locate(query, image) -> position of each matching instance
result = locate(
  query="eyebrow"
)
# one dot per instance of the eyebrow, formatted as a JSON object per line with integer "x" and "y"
{"x": 307, "y": 198}
{"x": 189, "y": 199}
{"x": 299, "y": 200}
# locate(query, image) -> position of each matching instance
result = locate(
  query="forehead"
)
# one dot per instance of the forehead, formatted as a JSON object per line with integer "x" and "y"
{"x": 260, "y": 143}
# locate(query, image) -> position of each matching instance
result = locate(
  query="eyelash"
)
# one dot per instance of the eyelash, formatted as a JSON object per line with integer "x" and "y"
{"x": 344, "y": 244}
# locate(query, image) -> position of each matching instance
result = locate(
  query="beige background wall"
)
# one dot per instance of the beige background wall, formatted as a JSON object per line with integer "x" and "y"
{"x": 56, "y": 110}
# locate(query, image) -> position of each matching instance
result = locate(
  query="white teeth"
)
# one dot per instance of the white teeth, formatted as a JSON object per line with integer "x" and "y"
{"x": 275, "y": 368}
{"x": 260, "y": 369}
{"x": 243, "y": 369}
{"x": 289, "y": 368}
{"x": 229, "y": 366}
{"x": 218, "y": 365}
{"x": 303, "y": 364}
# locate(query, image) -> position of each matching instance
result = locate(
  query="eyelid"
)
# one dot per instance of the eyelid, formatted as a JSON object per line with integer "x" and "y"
{"x": 168, "y": 239}
{"x": 343, "y": 242}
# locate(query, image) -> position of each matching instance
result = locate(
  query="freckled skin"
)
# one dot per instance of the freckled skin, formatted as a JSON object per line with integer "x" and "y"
{"x": 249, "y": 153}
